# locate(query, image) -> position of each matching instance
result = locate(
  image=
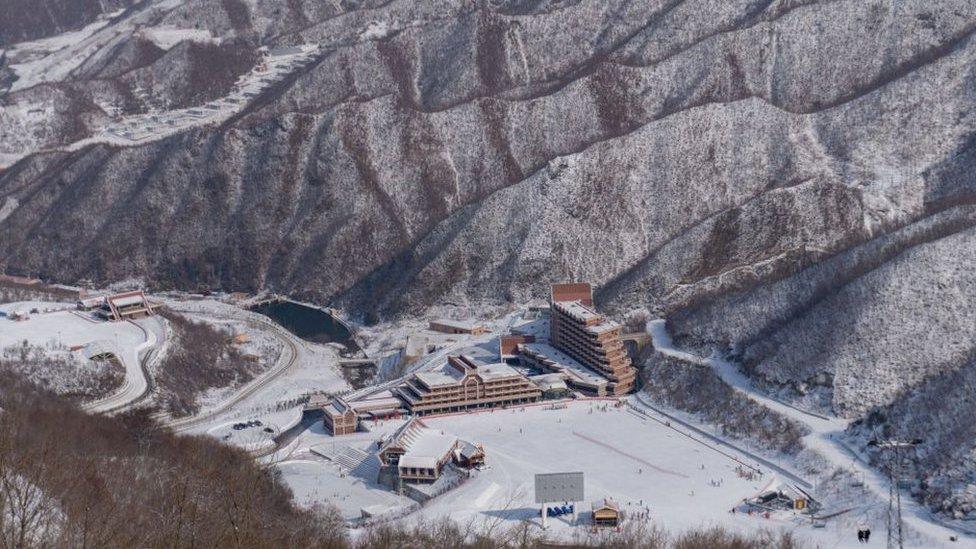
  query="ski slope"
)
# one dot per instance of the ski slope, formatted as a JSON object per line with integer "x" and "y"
{"x": 826, "y": 437}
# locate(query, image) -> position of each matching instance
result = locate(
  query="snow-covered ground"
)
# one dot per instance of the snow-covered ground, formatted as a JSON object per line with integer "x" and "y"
{"x": 826, "y": 438}
{"x": 52, "y": 59}
{"x": 638, "y": 462}
{"x": 302, "y": 368}
{"x": 260, "y": 341}
{"x": 71, "y": 329}
{"x": 167, "y": 36}
{"x": 257, "y": 437}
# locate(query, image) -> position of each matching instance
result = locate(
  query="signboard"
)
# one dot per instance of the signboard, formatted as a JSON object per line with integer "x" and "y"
{"x": 550, "y": 487}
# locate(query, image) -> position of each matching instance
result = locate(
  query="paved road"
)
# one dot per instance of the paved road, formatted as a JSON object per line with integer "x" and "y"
{"x": 287, "y": 359}
{"x": 138, "y": 381}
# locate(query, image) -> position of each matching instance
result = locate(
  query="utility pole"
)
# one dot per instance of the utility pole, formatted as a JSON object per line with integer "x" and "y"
{"x": 894, "y": 448}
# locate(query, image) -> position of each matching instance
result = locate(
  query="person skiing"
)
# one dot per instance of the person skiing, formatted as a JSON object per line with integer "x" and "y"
{"x": 867, "y": 535}
{"x": 860, "y": 536}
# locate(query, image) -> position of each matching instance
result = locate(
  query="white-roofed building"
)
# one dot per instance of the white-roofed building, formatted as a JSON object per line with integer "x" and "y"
{"x": 91, "y": 302}
{"x": 125, "y": 306}
{"x": 448, "y": 326}
{"x": 551, "y": 385}
{"x": 378, "y": 405}
{"x": 418, "y": 452}
{"x": 463, "y": 383}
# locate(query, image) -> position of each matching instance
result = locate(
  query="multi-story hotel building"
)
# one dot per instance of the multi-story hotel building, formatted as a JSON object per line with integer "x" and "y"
{"x": 466, "y": 383}
{"x": 590, "y": 338}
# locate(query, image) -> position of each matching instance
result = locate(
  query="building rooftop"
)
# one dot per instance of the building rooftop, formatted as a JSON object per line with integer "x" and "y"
{"x": 496, "y": 370}
{"x": 569, "y": 364}
{"x": 427, "y": 448}
{"x": 382, "y": 399}
{"x": 127, "y": 300}
{"x": 585, "y": 314}
{"x": 550, "y": 382}
{"x": 423, "y": 446}
{"x": 448, "y": 374}
{"x": 444, "y": 375}
{"x": 467, "y": 325}
{"x": 336, "y": 407}
{"x": 577, "y": 310}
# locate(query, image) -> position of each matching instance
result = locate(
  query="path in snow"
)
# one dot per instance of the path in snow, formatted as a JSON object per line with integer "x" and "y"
{"x": 826, "y": 434}
{"x": 137, "y": 383}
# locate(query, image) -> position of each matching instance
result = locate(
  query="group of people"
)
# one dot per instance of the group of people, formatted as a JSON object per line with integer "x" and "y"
{"x": 643, "y": 512}
{"x": 864, "y": 535}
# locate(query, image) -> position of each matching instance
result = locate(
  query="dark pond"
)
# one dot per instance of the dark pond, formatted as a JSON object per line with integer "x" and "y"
{"x": 309, "y": 323}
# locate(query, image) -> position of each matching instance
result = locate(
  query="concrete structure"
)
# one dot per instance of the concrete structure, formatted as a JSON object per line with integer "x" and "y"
{"x": 378, "y": 405}
{"x": 581, "y": 292}
{"x": 606, "y": 512}
{"x": 590, "y": 338}
{"x": 466, "y": 383}
{"x": 417, "y": 452}
{"x": 448, "y": 326}
{"x": 547, "y": 358}
{"x": 90, "y": 303}
{"x": 551, "y": 385}
{"x": 340, "y": 418}
{"x": 125, "y": 306}
{"x": 508, "y": 344}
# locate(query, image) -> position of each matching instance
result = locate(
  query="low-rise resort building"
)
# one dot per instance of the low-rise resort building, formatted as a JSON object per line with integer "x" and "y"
{"x": 124, "y": 306}
{"x": 448, "y": 326}
{"x": 340, "y": 418}
{"x": 417, "y": 452}
{"x": 464, "y": 383}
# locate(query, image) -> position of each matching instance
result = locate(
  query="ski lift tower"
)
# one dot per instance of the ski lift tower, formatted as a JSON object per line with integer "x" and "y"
{"x": 895, "y": 449}
{"x": 552, "y": 488}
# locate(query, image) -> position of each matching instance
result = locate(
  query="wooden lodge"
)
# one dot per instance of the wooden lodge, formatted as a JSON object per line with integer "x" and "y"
{"x": 606, "y": 512}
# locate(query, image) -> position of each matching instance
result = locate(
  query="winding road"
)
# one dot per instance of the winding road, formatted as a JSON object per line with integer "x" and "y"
{"x": 287, "y": 359}
{"x": 138, "y": 383}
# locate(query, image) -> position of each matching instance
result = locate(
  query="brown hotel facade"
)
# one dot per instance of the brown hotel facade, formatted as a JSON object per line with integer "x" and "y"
{"x": 466, "y": 383}
{"x": 590, "y": 338}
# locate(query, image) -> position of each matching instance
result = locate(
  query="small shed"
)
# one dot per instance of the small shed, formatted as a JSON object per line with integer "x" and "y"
{"x": 606, "y": 512}
{"x": 469, "y": 455}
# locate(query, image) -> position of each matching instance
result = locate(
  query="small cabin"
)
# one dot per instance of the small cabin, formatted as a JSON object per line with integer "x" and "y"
{"x": 606, "y": 512}
{"x": 469, "y": 455}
